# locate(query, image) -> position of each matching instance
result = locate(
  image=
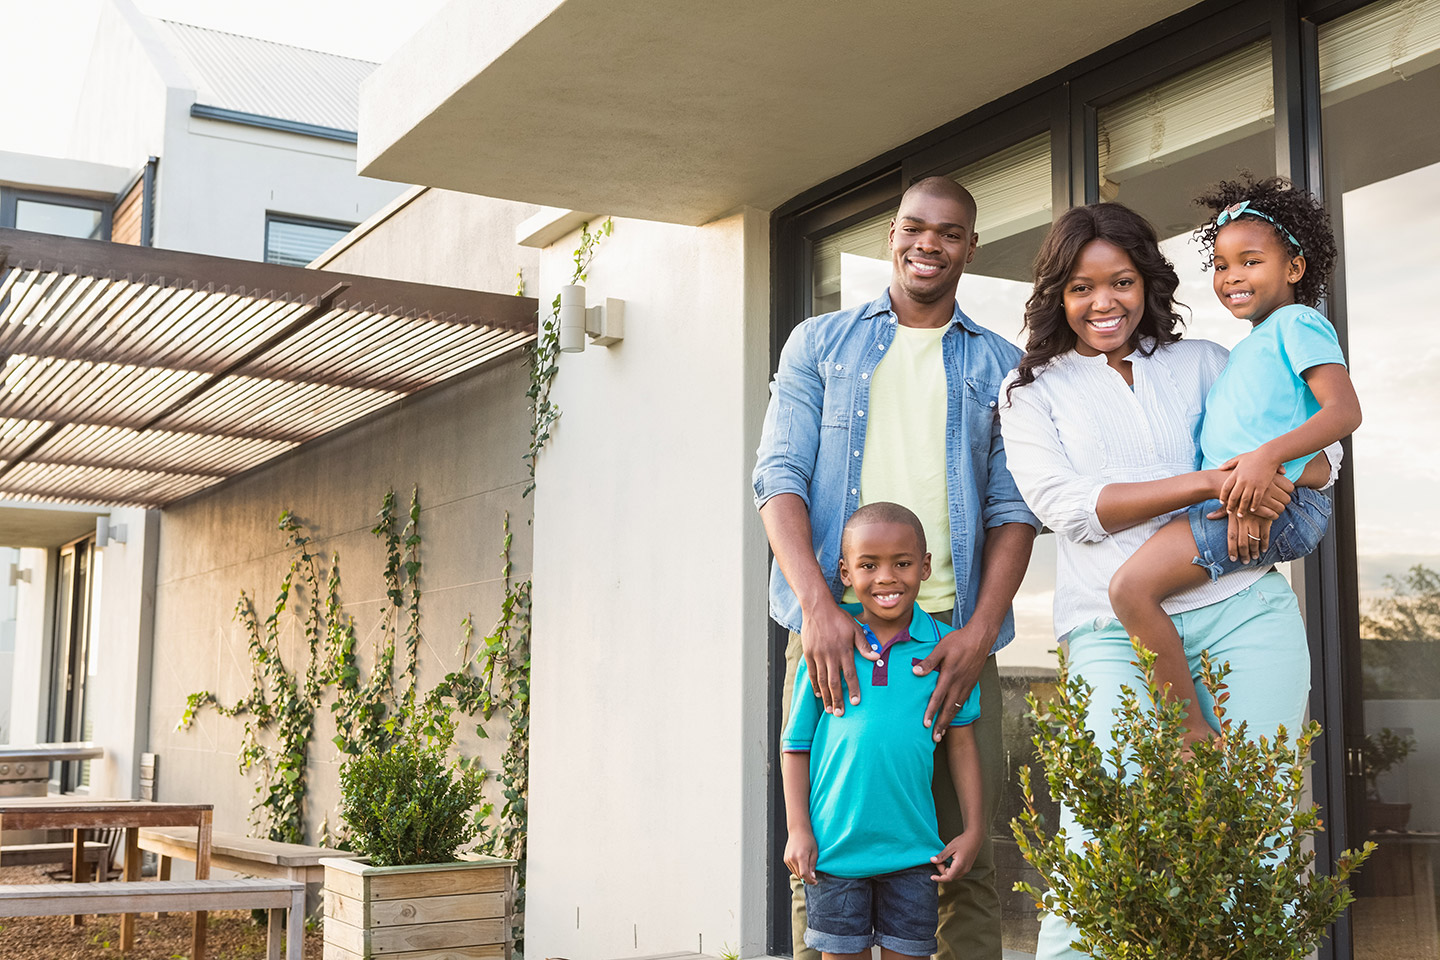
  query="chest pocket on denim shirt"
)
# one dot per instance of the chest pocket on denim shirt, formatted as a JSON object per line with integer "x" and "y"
{"x": 839, "y": 393}
{"x": 981, "y": 404}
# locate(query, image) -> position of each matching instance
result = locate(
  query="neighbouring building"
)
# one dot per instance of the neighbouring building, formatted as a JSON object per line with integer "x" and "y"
{"x": 185, "y": 139}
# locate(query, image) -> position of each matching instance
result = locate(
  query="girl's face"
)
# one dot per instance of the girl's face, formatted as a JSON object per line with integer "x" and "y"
{"x": 1104, "y": 301}
{"x": 1254, "y": 273}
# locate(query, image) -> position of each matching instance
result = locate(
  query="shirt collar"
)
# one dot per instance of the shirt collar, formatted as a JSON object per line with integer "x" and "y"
{"x": 920, "y": 629}
{"x": 1143, "y": 351}
{"x": 881, "y": 304}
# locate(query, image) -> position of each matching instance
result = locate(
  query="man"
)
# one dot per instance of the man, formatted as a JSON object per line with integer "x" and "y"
{"x": 896, "y": 400}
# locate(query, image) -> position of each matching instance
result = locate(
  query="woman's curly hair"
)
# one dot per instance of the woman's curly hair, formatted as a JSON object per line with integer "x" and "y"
{"x": 1294, "y": 209}
{"x": 1049, "y": 333}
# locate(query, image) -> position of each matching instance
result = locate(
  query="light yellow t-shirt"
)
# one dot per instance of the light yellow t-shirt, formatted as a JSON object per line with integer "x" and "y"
{"x": 905, "y": 449}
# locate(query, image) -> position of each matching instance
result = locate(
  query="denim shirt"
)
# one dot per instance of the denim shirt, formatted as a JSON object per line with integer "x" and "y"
{"x": 814, "y": 441}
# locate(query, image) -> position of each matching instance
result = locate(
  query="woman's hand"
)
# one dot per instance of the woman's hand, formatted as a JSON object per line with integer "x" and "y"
{"x": 1252, "y": 478}
{"x": 1249, "y": 537}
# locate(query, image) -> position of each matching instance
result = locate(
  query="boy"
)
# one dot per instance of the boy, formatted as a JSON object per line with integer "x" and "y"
{"x": 858, "y": 799}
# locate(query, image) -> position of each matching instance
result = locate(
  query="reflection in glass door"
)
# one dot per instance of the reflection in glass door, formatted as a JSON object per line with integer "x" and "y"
{"x": 72, "y": 663}
{"x": 1380, "y": 73}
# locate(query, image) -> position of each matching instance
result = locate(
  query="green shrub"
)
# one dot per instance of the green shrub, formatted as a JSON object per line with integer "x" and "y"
{"x": 408, "y": 805}
{"x": 1198, "y": 858}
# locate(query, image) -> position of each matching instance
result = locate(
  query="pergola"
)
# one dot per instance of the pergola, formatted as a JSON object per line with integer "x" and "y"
{"x": 138, "y": 376}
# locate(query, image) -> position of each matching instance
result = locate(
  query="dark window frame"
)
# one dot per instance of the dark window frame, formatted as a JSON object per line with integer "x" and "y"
{"x": 10, "y": 197}
{"x": 299, "y": 221}
{"x": 1067, "y": 102}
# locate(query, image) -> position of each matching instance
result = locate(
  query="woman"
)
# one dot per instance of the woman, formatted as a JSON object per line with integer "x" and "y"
{"x": 1100, "y": 423}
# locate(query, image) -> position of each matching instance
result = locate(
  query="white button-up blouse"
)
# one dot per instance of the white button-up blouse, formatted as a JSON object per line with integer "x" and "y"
{"x": 1078, "y": 427}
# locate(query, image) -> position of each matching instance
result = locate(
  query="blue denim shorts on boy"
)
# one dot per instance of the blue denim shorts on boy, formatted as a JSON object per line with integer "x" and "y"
{"x": 897, "y": 911}
{"x": 1295, "y": 534}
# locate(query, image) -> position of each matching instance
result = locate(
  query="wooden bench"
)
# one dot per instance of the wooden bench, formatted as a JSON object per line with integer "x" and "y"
{"x": 239, "y": 854}
{"x": 134, "y": 896}
{"x": 32, "y": 854}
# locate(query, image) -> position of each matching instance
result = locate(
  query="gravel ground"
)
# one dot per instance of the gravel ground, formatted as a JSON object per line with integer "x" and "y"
{"x": 231, "y": 934}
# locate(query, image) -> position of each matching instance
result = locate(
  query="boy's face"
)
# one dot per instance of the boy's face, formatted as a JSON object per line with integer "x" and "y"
{"x": 883, "y": 562}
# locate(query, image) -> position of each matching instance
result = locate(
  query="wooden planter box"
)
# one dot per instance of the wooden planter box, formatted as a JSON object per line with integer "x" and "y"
{"x": 441, "y": 911}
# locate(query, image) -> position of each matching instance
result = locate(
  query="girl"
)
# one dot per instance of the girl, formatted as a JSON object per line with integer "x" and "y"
{"x": 1099, "y": 424}
{"x": 1282, "y": 397}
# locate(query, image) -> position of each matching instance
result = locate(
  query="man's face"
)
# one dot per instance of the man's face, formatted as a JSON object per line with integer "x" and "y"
{"x": 932, "y": 238}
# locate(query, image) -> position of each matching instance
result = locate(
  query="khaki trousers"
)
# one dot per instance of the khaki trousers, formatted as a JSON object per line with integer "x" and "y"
{"x": 969, "y": 907}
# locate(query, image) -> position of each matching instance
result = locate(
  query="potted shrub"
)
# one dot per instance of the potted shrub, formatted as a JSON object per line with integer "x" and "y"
{"x": 1186, "y": 857}
{"x": 1382, "y": 751}
{"x": 408, "y": 809}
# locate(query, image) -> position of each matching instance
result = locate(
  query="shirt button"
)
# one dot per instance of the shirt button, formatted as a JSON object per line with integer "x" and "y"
{"x": 879, "y": 663}
{"x": 861, "y": 413}
{"x": 879, "y": 346}
{"x": 854, "y": 492}
{"x": 839, "y": 366}
{"x": 857, "y": 453}
{"x": 864, "y": 376}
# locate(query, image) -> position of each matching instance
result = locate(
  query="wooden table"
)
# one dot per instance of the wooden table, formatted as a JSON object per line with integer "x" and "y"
{"x": 89, "y": 813}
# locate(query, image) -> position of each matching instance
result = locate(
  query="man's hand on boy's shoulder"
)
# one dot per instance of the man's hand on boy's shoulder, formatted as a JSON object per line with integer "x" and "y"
{"x": 959, "y": 655}
{"x": 829, "y": 636}
{"x": 960, "y": 854}
{"x": 801, "y": 854}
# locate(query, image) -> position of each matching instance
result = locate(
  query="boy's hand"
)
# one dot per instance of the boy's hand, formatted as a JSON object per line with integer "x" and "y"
{"x": 961, "y": 852}
{"x": 1247, "y": 488}
{"x": 828, "y": 635}
{"x": 1249, "y": 537}
{"x": 801, "y": 854}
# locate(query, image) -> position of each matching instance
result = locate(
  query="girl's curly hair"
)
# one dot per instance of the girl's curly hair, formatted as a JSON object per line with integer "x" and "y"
{"x": 1048, "y": 332}
{"x": 1294, "y": 209}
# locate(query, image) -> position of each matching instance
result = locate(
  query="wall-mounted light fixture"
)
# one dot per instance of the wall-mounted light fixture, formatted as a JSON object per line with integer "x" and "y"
{"x": 603, "y": 324}
{"x": 18, "y": 575}
{"x": 107, "y": 532}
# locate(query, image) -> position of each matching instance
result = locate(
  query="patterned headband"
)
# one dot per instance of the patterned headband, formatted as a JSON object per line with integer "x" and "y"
{"x": 1243, "y": 207}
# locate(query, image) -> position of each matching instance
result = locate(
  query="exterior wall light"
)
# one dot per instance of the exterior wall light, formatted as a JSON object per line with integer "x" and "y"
{"x": 603, "y": 324}
{"x": 107, "y": 533}
{"x": 18, "y": 575}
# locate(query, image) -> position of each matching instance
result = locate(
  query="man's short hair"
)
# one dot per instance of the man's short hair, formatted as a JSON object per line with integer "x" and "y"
{"x": 882, "y": 511}
{"x": 938, "y": 186}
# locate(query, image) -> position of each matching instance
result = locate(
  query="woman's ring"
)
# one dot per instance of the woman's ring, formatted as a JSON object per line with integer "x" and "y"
{"x": 1253, "y": 537}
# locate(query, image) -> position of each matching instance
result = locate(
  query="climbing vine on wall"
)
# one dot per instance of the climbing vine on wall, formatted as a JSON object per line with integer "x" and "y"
{"x": 371, "y": 709}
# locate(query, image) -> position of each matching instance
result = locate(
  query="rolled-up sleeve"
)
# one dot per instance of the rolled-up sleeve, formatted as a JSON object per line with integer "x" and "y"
{"x": 790, "y": 439}
{"x": 1062, "y": 498}
{"x": 1003, "y": 502}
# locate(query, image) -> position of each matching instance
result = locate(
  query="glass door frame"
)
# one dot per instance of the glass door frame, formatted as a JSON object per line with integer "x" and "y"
{"x": 1067, "y": 102}
{"x": 70, "y": 652}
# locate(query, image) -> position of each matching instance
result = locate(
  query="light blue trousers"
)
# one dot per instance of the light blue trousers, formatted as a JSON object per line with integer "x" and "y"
{"x": 1260, "y": 633}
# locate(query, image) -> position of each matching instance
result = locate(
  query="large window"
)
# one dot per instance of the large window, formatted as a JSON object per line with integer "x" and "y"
{"x": 1380, "y": 73}
{"x": 1342, "y": 101}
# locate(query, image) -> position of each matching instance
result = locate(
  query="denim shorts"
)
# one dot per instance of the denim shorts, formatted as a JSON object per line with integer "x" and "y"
{"x": 1295, "y": 534}
{"x": 898, "y": 911}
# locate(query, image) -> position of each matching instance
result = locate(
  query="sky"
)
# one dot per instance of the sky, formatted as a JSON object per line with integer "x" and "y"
{"x": 47, "y": 68}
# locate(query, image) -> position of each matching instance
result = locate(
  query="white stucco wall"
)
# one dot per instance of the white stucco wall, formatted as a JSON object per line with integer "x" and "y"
{"x": 648, "y": 729}
{"x": 29, "y": 698}
{"x": 121, "y": 637}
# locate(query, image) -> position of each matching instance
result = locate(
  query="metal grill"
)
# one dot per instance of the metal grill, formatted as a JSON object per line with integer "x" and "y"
{"x": 136, "y": 376}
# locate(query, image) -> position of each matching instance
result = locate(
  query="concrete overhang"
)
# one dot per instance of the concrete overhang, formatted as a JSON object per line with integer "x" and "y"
{"x": 24, "y": 524}
{"x": 681, "y": 112}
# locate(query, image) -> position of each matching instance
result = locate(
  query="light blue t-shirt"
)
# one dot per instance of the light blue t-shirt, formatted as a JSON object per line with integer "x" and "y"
{"x": 1261, "y": 394}
{"x": 871, "y": 806}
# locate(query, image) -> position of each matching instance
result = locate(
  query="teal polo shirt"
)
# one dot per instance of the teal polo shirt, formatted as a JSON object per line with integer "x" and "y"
{"x": 1262, "y": 392}
{"x": 871, "y": 805}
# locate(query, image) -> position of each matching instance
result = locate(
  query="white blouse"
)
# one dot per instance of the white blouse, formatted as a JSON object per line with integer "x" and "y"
{"x": 1078, "y": 427}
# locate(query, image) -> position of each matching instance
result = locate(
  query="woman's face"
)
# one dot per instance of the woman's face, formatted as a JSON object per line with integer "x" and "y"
{"x": 1104, "y": 301}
